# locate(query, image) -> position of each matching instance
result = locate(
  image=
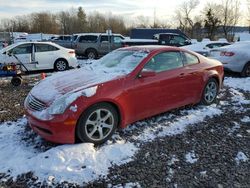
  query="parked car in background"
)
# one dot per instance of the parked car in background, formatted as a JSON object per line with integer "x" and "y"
{"x": 235, "y": 57}
{"x": 205, "y": 46}
{"x": 63, "y": 40}
{"x": 40, "y": 56}
{"x": 93, "y": 45}
{"x": 168, "y": 39}
{"x": 126, "y": 85}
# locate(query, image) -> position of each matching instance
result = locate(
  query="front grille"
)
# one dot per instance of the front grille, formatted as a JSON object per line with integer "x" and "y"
{"x": 35, "y": 104}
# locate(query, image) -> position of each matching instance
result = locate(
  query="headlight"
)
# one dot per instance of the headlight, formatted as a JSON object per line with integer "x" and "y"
{"x": 59, "y": 105}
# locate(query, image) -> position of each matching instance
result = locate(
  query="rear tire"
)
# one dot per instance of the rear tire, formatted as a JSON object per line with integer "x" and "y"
{"x": 210, "y": 92}
{"x": 97, "y": 124}
{"x": 246, "y": 70}
{"x": 91, "y": 54}
{"x": 16, "y": 81}
{"x": 61, "y": 65}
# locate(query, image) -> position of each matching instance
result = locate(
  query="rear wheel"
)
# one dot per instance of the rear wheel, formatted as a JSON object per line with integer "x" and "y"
{"x": 97, "y": 123}
{"x": 246, "y": 70}
{"x": 61, "y": 65}
{"x": 91, "y": 54}
{"x": 210, "y": 92}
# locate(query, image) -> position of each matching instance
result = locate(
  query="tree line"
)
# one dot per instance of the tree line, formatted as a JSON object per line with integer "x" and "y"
{"x": 214, "y": 18}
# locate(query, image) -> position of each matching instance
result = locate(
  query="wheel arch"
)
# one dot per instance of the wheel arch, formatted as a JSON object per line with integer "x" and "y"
{"x": 90, "y": 48}
{"x": 113, "y": 104}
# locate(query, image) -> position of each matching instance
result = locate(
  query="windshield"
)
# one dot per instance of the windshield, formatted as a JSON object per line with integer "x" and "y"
{"x": 7, "y": 48}
{"x": 120, "y": 61}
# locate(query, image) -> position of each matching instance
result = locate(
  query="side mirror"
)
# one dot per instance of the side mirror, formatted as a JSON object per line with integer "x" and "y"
{"x": 146, "y": 73}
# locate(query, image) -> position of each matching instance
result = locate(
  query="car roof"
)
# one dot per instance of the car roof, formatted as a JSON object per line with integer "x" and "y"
{"x": 96, "y": 34}
{"x": 35, "y": 42}
{"x": 150, "y": 48}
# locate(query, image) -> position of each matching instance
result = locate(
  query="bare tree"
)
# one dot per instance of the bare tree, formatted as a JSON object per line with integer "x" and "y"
{"x": 184, "y": 15}
{"x": 230, "y": 14}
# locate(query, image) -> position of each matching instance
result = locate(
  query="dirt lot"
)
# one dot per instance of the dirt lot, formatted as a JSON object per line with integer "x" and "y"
{"x": 213, "y": 152}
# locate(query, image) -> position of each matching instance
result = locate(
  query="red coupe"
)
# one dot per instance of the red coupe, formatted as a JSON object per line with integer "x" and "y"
{"x": 126, "y": 85}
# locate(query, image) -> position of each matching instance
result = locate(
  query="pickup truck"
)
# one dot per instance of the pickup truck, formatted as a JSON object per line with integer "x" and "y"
{"x": 170, "y": 39}
{"x": 93, "y": 45}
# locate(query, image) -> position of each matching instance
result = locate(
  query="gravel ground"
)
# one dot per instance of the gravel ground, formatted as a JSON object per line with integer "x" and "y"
{"x": 203, "y": 156}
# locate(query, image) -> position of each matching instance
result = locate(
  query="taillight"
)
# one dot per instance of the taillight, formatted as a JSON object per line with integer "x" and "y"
{"x": 224, "y": 53}
{"x": 72, "y": 52}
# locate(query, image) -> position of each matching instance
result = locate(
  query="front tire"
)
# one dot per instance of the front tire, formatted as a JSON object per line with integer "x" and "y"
{"x": 91, "y": 54}
{"x": 97, "y": 124}
{"x": 246, "y": 70}
{"x": 210, "y": 92}
{"x": 61, "y": 65}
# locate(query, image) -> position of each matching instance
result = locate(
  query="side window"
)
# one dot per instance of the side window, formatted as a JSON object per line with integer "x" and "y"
{"x": 177, "y": 40}
{"x": 45, "y": 48}
{"x": 190, "y": 59}
{"x": 165, "y": 61}
{"x": 117, "y": 39}
{"x": 22, "y": 49}
{"x": 104, "y": 38}
{"x": 88, "y": 38}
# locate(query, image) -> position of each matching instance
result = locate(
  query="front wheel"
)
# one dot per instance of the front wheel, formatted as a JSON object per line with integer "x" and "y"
{"x": 16, "y": 81}
{"x": 210, "y": 92}
{"x": 97, "y": 123}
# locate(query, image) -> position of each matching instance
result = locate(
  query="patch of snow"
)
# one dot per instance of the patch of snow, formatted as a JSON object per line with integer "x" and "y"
{"x": 238, "y": 83}
{"x": 170, "y": 175}
{"x": 246, "y": 119}
{"x": 241, "y": 157}
{"x": 89, "y": 92}
{"x": 234, "y": 128}
{"x": 3, "y": 111}
{"x": 191, "y": 157}
{"x": 173, "y": 160}
{"x": 238, "y": 97}
{"x": 73, "y": 163}
{"x": 179, "y": 126}
{"x": 73, "y": 108}
{"x": 126, "y": 185}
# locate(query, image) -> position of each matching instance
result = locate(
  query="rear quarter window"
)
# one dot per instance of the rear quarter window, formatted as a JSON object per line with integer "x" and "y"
{"x": 190, "y": 59}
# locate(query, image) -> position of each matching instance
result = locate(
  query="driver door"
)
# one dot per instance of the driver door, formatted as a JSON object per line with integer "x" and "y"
{"x": 163, "y": 91}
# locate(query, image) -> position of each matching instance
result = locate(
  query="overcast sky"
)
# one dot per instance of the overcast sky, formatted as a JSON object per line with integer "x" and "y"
{"x": 164, "y": 9}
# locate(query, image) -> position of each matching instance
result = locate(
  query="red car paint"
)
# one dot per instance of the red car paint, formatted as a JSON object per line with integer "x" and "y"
{"x": 135, "y": 98}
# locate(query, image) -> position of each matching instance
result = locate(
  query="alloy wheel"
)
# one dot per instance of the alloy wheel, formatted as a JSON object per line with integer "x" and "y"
{"x": 210, "y": 92}
{"x": 99, "y": 124}
{"x": 61, "y": 65}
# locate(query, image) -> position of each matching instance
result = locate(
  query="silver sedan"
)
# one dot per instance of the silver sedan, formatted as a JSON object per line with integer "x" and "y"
{"x": 235, "y": 57}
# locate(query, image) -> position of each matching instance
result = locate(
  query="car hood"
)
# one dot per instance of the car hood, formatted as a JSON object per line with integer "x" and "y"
{"x": 67, "y": 82}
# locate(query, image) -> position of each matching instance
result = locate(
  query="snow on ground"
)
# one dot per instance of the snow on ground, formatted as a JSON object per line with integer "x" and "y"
{"x": 246, "y": 119}
{"x": 126, "y": 185}
{"x": 179, "y": 126}
{"x": 73, "y": 163}
{"x": 241, "y": 157}
{"x": 83, "y": 162}
{"x": 238, "y": 83}
{"x": 191, "y": 157}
